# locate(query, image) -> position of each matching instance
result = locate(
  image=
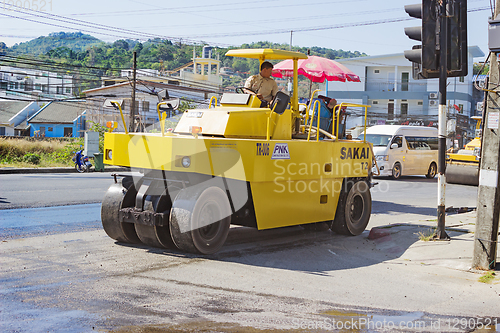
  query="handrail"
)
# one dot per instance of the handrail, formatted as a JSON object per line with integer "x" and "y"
{"x": 309, "y": 106}
{"x": 312, "y": 120}
{"x": 338, "y": 108}
{"x": 117, "y": 104}
{"x": 211, "y": 99}
{"x": 329, "y": 135}
{"x": 268, "y": 134}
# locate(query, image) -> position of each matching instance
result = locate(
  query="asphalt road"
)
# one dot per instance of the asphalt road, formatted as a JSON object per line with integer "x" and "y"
{"x": 57, "y": 189}
{"x": 45, "y": 190}
{"x": 61, "y": 273}
{"x": 415, "y": 197}
{"x": 34, "y": 201}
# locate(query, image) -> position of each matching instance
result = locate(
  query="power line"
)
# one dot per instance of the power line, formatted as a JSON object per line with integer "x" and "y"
{"x": 51, "y": 63}
{"x": 142, "y": 35}
{"x": 56, "y": 68}
{"x": 59, "y": 18}
{"x": 214, "y": 7}
{"x": 319, "y": 28}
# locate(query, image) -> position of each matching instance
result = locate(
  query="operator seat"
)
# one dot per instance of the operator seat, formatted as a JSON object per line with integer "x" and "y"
{"x": 280, "y": 102}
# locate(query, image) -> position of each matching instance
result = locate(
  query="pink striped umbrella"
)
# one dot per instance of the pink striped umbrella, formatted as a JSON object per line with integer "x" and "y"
{"x": 316, "y": 69}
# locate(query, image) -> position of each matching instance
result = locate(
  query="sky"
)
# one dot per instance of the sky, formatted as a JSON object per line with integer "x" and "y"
{"x": 370, "y": 26}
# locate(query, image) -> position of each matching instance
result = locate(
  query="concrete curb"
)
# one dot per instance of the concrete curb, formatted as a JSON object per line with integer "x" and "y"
{"x": 4, "y": 171}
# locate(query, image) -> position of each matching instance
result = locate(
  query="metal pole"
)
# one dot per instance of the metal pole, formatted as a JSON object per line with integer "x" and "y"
{"x": 132, "y": 110}
{"x": 443, "y": 76}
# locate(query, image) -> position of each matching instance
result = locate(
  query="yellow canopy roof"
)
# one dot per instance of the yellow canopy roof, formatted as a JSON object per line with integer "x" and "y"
{"x": 266, "y": 54}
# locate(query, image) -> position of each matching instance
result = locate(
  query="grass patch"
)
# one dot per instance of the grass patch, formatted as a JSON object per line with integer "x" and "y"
{"x": 487, "y": 278}
{"x": 29, "y": 152}
{"x": 426, "y": 235}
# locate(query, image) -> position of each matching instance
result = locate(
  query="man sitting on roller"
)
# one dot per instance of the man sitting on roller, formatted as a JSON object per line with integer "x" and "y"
{"x": 262, "y": 85}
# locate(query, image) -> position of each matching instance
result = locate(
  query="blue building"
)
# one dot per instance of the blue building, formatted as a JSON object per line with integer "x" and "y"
{"x": 59, "y": 119}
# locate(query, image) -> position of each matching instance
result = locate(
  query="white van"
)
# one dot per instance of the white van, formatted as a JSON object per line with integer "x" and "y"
{"x": 404, "y": 150}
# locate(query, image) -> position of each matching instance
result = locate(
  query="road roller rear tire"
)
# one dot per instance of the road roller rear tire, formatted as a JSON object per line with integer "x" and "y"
{"x": 200, "y": 219}
{"x": 119, "y": 195}
{"x": 156, "y": 236}
{"x": 353, "y": 210}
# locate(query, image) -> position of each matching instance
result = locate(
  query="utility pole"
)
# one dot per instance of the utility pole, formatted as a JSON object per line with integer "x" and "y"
{"x": 488, "y": 201}
{"x": 443, "y": 77}
{"x": 132, "y": 109}
{"x": 439, "y": 58}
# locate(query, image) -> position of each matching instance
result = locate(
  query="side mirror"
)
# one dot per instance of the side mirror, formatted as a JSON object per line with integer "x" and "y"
{"x": 394, "y": 146}
{"x": 163, "y": 95}
{"x": 171, "y": 104}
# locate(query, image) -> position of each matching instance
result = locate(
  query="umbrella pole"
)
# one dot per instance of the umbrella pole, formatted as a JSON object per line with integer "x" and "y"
{"x": 310, "y": 88}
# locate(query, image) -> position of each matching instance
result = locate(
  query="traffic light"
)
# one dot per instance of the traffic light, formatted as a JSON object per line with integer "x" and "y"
{"x": 425, "y": 57}
{"x": 457, "y": 38}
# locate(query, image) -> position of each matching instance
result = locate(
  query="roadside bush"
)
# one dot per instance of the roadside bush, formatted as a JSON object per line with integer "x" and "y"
{"x": 18, "y": 147}
{"x": 46, "y": 152}
{"x": 65, "y": 154}
{"x": 32, "y": 158}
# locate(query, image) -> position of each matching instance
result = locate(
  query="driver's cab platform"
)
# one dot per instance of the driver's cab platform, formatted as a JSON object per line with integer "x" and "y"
{"x": 240, "y": 116}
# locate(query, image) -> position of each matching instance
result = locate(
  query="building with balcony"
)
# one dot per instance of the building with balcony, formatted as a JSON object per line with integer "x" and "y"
{"x": 396, "y": 98}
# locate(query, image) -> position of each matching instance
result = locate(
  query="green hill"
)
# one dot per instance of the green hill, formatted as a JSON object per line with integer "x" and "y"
{"x": 75, "y": 41}
{"x": 88, "y": 58}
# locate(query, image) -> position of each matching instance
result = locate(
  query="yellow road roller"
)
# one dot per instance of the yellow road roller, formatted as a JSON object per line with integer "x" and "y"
{"x": 237, "y": 163}
{"x": 462, "y": 167}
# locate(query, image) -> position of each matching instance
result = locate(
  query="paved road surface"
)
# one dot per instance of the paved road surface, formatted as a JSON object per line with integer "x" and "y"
{"x": 43, "y": 190}
{"x": 61, "y": 273}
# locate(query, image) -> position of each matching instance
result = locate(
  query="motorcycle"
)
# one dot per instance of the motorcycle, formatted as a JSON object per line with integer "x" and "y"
{"x": 82, "y": 162}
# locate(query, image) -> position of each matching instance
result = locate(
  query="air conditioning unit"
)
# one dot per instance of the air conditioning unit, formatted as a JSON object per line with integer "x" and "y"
{"x": 433, "y": 103}
{"x": 433, "y": 95}
{"x": 480, "y": 106}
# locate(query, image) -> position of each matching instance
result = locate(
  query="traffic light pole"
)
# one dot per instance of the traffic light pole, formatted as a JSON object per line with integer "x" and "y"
{"x": 430, "y": 60}
{"x": 443, "y": 77}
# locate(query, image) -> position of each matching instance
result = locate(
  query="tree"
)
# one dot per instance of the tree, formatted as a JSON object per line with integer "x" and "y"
{"x": 241, "y": 65}
{"x": 121, "y": 44}
{"x": 138, "y": 48}
{"x": 477, "y": 68}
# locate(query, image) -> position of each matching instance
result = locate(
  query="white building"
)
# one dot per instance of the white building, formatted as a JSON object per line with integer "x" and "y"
{"x": 201, "y": 73}
{"x": 23, "y": 83}
{"x": 395, "y": 97}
